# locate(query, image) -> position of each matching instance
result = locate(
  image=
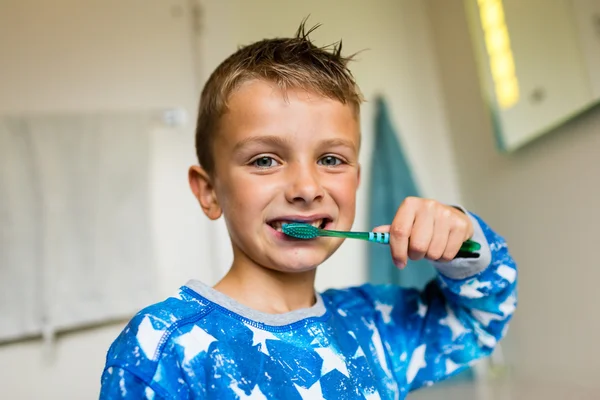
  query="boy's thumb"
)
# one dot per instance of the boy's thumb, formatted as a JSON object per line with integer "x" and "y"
{"x": 382, "y": 228}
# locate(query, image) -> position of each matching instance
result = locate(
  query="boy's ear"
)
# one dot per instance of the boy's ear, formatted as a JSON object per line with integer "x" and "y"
{"x": 358, "y": 172}
{"x": 203, "y": 188}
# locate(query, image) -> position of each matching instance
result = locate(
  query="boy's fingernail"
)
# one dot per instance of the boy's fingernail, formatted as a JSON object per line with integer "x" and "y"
{"x": 400, "y": 265}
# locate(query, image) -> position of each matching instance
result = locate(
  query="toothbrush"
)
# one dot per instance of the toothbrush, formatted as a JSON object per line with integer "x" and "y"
{"x": 306, "y": 231}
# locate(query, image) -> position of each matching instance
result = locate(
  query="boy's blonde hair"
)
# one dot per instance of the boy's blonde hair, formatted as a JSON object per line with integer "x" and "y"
{"x": 288, "y": 62}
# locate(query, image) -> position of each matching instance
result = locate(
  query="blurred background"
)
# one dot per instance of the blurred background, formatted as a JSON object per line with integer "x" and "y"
{"x": 493, "y": 104}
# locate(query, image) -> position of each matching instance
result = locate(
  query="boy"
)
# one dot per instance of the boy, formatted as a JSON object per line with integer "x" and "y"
{"x": 277, "y": 140}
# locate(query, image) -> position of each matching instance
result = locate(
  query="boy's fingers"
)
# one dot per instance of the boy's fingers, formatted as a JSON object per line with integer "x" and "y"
{"x": 439, "y": 242}
{"x": 455, "y": 240}
{"x": 400, "y": 232}
{"x": 421, "y": 235}
{"x": 382, "y": 228}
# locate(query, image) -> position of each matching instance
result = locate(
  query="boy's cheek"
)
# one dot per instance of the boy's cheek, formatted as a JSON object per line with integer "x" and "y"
{"x": 345, "y": 197}
{"x": 347, "y": 182}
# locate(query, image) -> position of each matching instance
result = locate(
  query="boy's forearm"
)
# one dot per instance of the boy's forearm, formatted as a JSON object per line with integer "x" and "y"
{"x": 482, "y": 292}
{"x": 467, "y": 308}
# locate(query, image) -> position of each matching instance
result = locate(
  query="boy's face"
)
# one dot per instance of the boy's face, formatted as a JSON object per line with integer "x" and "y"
{"x": 279, "y": 160}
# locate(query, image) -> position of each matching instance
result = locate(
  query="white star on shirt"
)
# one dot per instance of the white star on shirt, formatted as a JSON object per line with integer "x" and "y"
{"x": 148, "y": 337}
{"x": 508, "y": 273}
{"x": 456, "y": 327}
{"x": 451, "y": 366}
{"x": 260, "y": 337}
{"x": 313, "y": 392}
{"x": 331, "y": 361}
{"x": 508, "y": 306}
{"x": 422, "y": 310}
{"x": 359, "y": 353}
{"x": 485, "y": 317}
{"x": 378, "y": 345}
{"x": 471, "y": 289}
{"x": 485, "y": 339}
{"x": 159, "y": 373}
{"x": 194, "y": 342}
{"x": 417, "y": 361}
{"x": 374, "y": 395}
{"x": 255, "y": 394}
{"x": 385, "y": 310}
{"x": 149, "y": 393}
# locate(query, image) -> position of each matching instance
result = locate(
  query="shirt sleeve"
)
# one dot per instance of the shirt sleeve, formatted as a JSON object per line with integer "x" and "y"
{"x": 118, "y": 383}
{"x": 458, "y": 318}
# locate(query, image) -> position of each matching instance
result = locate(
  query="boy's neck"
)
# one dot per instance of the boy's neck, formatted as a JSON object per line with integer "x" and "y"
{"x": 267, "y": 290}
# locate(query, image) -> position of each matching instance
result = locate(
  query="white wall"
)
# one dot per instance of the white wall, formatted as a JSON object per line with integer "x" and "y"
{"x": 587, "y": 17}
{"x": 400, "y": 63}
{"x": 544, "y": 200}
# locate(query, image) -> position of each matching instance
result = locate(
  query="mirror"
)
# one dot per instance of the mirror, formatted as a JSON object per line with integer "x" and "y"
{"x": 539, "y": 63}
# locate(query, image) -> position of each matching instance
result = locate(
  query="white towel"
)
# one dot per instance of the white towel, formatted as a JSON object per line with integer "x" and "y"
{"x": 75, "y": 240}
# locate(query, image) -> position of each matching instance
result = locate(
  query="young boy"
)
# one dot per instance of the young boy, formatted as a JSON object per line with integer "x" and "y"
{"x": 277, "y": 139}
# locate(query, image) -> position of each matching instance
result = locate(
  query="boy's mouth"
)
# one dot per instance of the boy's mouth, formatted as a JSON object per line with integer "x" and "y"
{"x": 316, "y": 222}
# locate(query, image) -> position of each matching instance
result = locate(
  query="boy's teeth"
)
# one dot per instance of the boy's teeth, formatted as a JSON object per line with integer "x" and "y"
{"x": 317, "y": 223}
{"x": 277, "y": 225}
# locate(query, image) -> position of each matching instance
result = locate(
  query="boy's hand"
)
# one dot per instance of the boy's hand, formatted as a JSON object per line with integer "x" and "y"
{"x": 426, "y": 228}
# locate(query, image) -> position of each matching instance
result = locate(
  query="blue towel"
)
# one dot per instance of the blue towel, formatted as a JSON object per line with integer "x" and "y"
{"x": 391, "y": 182}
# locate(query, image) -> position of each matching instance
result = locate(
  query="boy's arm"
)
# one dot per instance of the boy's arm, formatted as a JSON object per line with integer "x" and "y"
{"x": 475, "y": 298}
{"x": 458, "y": 318}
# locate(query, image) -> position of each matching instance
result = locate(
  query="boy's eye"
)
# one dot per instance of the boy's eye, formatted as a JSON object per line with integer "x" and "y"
{"x": 264, "y": 162}
{"x": 330, "y": 161}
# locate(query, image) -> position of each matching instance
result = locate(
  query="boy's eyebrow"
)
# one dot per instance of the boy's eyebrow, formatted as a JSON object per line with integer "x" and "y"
{"x": 267, "y": 140}
{"x": 337, "y": 142}
{"x": 282, "y": 142}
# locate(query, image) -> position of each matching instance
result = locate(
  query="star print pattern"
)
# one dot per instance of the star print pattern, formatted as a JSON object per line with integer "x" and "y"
{"x": 369, "y": 342}
{"x": 255, "y": 394}
{"x": 456, "y": 327}
{"x": 417, "y": 361}
{"x": 148, "y": 337}
{"x": 260, "y": 337}
{"x": 194, "y": 342}
{"x": 331, "y": 361}
{"x": 313, "y": 392}
{"x": 385, "y": 310}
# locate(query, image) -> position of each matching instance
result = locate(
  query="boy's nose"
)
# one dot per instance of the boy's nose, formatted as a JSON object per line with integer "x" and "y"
{"x": 304, "y": 185}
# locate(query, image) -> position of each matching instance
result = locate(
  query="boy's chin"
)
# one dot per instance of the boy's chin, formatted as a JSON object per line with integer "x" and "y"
{"x": 298, "y": 264}
{"x": 294, "y": 269}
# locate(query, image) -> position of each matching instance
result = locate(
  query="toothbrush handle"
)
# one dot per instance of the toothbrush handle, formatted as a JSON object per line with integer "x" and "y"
{"x": 470, "y": 246}
{"x": 466, "y": 250}
{"x": 379, "y": 237}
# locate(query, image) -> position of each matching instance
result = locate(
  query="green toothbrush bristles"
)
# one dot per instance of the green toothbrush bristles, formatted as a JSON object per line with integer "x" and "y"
{"x": 300, "y": 231}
